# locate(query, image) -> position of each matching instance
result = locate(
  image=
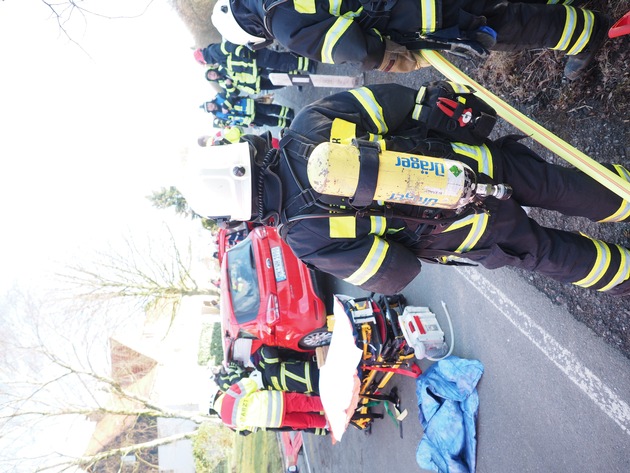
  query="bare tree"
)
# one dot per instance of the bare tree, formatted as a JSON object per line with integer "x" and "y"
{"x": 62, "y": 374}
{"x": 70, "y": 14}
{"x": 143, "y": 274}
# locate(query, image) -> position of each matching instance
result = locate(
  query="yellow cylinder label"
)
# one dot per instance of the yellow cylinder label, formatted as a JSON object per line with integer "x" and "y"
{"x": 403, "y": 178}
{"x": 420, "y": 180}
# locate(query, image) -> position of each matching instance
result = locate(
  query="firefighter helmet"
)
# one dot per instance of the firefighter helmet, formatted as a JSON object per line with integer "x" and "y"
{"x": 217, "y": 182}
{"x": 224, "y": 21}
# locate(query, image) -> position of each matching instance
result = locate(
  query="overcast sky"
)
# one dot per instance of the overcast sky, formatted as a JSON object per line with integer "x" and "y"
{"x": 87, "y": 132}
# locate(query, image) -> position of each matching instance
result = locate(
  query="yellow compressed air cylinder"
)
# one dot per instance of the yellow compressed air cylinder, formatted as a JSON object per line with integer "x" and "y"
{"x": 403, "y": 178}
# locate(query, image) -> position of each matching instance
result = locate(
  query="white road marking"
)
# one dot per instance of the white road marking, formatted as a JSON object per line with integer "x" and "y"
{"x": 569, "y": 364}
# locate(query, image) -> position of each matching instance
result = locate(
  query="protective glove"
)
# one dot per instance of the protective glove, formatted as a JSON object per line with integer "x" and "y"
{"x": 257, "y": 376}
{"x": 398, "y": 58}
{"x": 198, "y": 54}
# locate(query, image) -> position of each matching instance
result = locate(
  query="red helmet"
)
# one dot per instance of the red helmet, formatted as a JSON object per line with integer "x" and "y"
{"x": 198, "y": 54}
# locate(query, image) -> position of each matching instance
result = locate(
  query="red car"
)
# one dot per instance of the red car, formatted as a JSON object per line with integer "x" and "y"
{"x": 270, "y": 296}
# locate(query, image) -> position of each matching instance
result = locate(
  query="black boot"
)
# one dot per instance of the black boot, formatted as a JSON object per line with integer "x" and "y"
{"x": 577, "y": 64}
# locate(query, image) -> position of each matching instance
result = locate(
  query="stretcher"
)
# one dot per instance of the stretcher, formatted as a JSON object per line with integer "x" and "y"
{"x": 385, "y": 352}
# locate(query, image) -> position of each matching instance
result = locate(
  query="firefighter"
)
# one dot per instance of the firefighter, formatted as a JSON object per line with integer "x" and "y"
{"x": 225, "y": 135}
{"x": 387, "y": 34}
{"x": 224, "y": 377}
{"x": 247, "y": 70}
{"x": 246, "y": 111}
{"x": 378, "y": 246}
{"x": 282, "y": 374}
{"x": 246, "y": 407}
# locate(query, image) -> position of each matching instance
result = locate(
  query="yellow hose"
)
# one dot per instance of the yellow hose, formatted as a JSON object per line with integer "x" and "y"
{"x": 587, "y": 165}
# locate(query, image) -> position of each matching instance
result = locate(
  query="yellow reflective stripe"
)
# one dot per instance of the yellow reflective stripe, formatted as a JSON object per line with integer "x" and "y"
{"x": 342, "y": 227}
{"x": 333, "y": 35}
{"x": 372, "y": 107}
{"x": 276, "y": 409}
{"x": 334, "y": 7}
{"x": 378, "y": 225}
{"x": 569, "y": 29}
{"x": 599, "y": 268}
{"x": 481, "y": 154}
{"x": 461, "y": 223}
{"x": 624, "y": 210}
{"x": 479, "y": 224}
{"x": 288, "y": 374}
{"x": 304, "y": 6}
{"x": 624, "y": 270}
{"x": 372, "y": 263}
{"x": 459, "y": 88}
{"x": 429, "y": 16}
{"x": 276, "y": 383}
{"x": 307, "y": 376}
{"x": 418, "y": 108}
{"x": 585, "y": 36}
{"x": 342, "y": 131}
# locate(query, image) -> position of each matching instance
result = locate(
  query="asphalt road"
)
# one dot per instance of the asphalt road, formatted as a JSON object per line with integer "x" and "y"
{"x": 553, "y": 397}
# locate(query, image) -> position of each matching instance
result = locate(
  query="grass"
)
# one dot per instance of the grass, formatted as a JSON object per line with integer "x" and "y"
{"x": 256, "y": 453}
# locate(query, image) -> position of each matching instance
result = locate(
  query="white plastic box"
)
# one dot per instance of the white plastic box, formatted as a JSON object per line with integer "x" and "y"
{"x": 422, "y": 332}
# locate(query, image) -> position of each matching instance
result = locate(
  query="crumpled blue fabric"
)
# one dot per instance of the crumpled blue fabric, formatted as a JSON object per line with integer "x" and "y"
{"x": 449, "y": 403}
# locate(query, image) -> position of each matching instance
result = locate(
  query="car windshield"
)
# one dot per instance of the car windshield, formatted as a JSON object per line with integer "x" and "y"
{"x": 241, "y": 268}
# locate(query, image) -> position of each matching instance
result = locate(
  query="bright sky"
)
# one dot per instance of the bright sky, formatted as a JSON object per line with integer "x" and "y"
{"x": 86, "y": 135}
{"x": 87, "y": 132}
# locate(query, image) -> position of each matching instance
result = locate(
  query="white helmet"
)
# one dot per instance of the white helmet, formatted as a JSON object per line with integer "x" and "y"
{"x": 224, "y": 21}
{"x": 217, "y": 182}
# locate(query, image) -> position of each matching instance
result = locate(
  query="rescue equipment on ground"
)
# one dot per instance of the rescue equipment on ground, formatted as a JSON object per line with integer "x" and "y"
{"x": 423, "y": 333}
{"x": 385, "y": 353}
{"x": 364, "y": 173}
{"x": 552, "y": 142}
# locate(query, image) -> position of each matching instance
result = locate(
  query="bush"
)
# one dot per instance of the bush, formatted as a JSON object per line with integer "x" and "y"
{"x": 212, "y": 447}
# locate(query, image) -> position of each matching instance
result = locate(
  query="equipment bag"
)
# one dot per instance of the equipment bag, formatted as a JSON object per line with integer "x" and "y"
{"x": 452, "y": 111}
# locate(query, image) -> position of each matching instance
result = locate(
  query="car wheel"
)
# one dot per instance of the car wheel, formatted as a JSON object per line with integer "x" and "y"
{"x": 317, "y": 338}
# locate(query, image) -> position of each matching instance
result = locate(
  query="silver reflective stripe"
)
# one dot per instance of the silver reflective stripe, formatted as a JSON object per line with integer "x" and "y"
{"x": 602, "y": 261}
{"x": 624, "y": 210}
{"x": 587, "y": 32}
{"x": 624, "y": 269}
{"x": 569, "y": 29}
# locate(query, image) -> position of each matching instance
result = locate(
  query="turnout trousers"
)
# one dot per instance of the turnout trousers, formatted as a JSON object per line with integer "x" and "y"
{"x": 528, "y": 24}
{"x": 302, "y": 411}
{"x": 507, "y": 236}
{"x": 272, "y": 114}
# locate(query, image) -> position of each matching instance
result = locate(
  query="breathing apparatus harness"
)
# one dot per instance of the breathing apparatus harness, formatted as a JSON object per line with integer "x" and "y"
{"x": 425, "y": 220}
{"x": 443, "y": 109}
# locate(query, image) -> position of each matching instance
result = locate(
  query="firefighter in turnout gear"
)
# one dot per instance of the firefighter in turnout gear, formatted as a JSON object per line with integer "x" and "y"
{"x": 379, "y": 246}
{"x": 286, "y": 374}
{"x": 246, "y": 111}
{"x": 224, "y": 377}
{"x": 386, "y": 34}
{"x": 245, "y": 407}
{"x": 247, "y": 70}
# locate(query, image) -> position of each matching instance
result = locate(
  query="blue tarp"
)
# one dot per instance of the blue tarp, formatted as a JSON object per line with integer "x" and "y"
{"x": 448, "y": 402}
